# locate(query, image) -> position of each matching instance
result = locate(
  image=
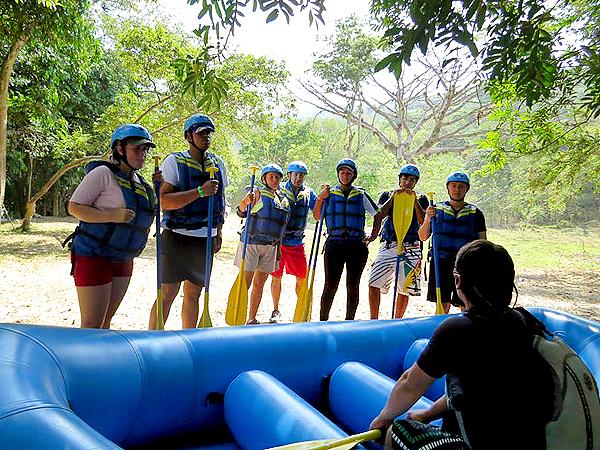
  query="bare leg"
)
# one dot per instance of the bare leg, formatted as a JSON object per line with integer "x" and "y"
{"x": 446, "y": 307}
{"x": 93, "y": 304}
{"x": 117, "y": 292}
{"x": 299, "y": 282}
{"x": 256, "y": 295}
{"x": 190, "y": 307}
{"x": 169, "y": 292}
{"x": 374, "y": 300}
{"x": 401, "y": 304}
{"x": 276, "y": 291}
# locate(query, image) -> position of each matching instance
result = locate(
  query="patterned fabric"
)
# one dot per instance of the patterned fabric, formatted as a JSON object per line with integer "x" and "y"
{"x": 413, "y": 435}
{"x": 194, "y": 215}
{"x": 383, "y": 268}
{"x": 118, "y": 241}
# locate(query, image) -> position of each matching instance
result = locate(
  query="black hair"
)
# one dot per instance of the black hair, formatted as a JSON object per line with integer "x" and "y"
{"x": 487, "y": 273}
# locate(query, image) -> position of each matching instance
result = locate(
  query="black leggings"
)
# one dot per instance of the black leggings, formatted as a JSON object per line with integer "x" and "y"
{"x": 353, "y": 254}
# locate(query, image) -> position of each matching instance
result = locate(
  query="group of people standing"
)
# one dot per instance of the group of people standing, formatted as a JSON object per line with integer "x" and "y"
{"x": 116, "y": 206}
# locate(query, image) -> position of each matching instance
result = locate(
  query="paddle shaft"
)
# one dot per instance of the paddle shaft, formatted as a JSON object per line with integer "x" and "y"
{"x": 302, "y": 294}
{"x": 160, "y": 322}
{"x": 400, "y": 235}
{"x": 439, "y": 309}
{"x": 205, "y": 319}
{"x": 314, "y": 268}
{"x": 345, "y": 443}
{"x": 242, "y": 274}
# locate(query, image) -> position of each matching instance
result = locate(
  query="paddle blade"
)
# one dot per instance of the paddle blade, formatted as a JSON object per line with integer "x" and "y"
{"x": 404, "y": 205}
{"x": 237, "y": 303}
{"x": 205, "y": 321}
{"x": 338, "y": 444}
{"x": 439, "y": 307}
{"x": 299, "y": 313}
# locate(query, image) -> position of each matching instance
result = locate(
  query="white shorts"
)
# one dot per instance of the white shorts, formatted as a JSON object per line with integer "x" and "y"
{"x": 258, "y": 257}
{"x": 384, "y": 268}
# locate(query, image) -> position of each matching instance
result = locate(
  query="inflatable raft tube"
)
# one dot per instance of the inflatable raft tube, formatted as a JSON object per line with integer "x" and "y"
{"x": 102, "y": 389}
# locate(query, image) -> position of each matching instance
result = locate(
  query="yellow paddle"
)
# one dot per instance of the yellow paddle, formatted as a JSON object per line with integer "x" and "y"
{"x": 404, "y": 205}
{"x": 237, "y": 303}
{"x": 303, "y": 310}
{"x": 160, "y": 321}
{"x": 205, "y": 321}
{"x": 338, "y": 444}
{"x": 439, "y": 307}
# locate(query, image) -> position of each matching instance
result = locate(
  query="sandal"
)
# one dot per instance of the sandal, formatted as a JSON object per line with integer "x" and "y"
{"x": 253, "y": 322}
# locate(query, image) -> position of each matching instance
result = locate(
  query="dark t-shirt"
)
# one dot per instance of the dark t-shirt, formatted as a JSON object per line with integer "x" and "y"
{"x": 507, "y": 386}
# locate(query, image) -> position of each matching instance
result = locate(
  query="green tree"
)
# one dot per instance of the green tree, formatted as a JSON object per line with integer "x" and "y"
{"x": 58, "y": 24}
{"x": 433, "y": 110}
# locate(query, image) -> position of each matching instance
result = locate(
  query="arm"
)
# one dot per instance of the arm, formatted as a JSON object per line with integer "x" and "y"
{"x": 250, "y": 198}
{"x": 425, "y": 229}
{"x": 435, "y": 411}
{"x": 171, "y": 199}
{"x": 320, "y": 199}
{"x": 92, "y": 214}
{"x": 410, "y": 387}
{"x": 420, "y": 212}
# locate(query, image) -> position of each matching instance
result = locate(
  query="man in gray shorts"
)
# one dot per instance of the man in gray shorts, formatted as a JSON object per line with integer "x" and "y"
{"x": 184, "y": 199}
{"x": 270, "y": 211}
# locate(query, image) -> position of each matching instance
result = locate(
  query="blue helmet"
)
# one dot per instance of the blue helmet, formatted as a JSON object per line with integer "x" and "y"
{"x": 349, "y": 163}
{"x": 297, "y": 166}
{"x": 271, "y": 168}
{"x": 132, "y": 130}
{"x": 410, "y": 169}
{"x": 196, "y": 121}
{"x": 459, "y": 177}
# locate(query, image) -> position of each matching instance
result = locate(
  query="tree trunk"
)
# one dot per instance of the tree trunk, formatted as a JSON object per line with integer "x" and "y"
{"x": 56, "y": 204}
{"x": 30, "y": 208}
{"x": 5, "y": 74}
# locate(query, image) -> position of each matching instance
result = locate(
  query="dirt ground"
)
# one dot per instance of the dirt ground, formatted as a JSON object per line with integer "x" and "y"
{"x": 39, "y": 290}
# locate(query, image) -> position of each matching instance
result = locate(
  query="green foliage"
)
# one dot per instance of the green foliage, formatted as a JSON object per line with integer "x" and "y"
{"x": 350, "y": 59}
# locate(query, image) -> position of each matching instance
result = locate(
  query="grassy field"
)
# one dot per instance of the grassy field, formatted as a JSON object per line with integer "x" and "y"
{"x": 532, "y": 248}
{"x": 557, "y": 268}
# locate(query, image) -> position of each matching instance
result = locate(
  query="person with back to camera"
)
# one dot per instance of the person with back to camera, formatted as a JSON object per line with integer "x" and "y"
{"x": 115, "y": 208}
{"x": 456, "y": 223}
{"x": 506, "y": 387}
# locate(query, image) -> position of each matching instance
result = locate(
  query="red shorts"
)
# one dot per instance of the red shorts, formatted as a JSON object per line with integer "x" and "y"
{"x": 293, "y": 259}
{"x": 96, "y": 271}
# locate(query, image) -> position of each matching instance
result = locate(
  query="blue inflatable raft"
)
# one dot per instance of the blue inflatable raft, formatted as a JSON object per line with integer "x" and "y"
{"x": 222, "y": 388}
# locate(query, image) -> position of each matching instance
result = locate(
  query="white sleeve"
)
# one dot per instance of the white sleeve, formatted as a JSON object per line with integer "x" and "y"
{"x": 169, "y": 170}
{"x": 223, "y": 169}
{"x": 370, "y": 205}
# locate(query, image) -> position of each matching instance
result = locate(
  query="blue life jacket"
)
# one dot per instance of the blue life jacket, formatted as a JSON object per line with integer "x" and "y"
{"x": 269, "y": 218}
{"x": 194, "y": 215}
{"x": 388, "y": 232}
{"x": 118, "y": 241}
{"x": 453, "y": 231}
{"x": 299, "y": 208}
{"x": 345, "y": 216}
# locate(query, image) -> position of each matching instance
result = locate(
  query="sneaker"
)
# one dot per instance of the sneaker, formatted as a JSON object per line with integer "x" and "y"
{"x": 275, "y": 316}
{"x": 253, "y": 322}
